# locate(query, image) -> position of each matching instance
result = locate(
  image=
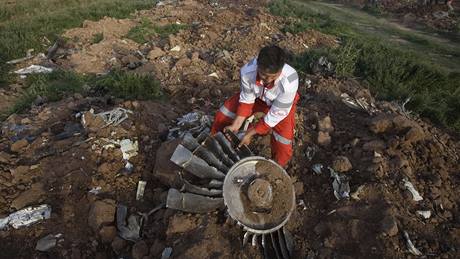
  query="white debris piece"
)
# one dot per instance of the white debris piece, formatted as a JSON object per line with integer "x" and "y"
{"x": 190, "y": 123}
{"x": 26, "y": 217}
{"x": 355, "y": 195}
{"x": 140, "y": 189}
{"x": 115, "y": 116}
{"x": 95, "y": 190}
{"x": 340, "y": 185}
{"x": 176, "y": 48}
{"x": 33, "y": 69}
{"x": 410, "y": 187}
{"x": 411, "y": 246}
{"x": 317, "y": 168}
{"x": 426, "y": 214}
{"x": 215, "y": 75}
{"x": 129, "y": 148}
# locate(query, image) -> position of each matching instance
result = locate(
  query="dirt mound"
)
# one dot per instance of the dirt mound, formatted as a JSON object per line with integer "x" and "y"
{"x": 67, "y": 155}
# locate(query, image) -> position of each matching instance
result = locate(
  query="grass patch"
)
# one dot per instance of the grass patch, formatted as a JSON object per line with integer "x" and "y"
{"x": 146, "y": 30}
{"x": 97, "y": 37}
{"x": 391, "y": 72}
{"x": 58, "y": 84}
{"x": 25, "y": 24}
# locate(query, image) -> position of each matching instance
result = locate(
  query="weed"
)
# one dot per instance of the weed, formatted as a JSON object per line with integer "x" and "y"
{"x": 146, "y": 30}
{"x": 97, "y": 37}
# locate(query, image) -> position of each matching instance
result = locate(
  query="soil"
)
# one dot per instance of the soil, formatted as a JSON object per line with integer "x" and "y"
{"x": 384, "y": 147}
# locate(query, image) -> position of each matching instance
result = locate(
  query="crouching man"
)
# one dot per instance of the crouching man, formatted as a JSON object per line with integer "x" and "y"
{"x": 268, "y": 85}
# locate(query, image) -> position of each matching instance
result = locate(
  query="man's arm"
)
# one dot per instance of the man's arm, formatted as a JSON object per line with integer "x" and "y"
{"x": 246, "y": 103}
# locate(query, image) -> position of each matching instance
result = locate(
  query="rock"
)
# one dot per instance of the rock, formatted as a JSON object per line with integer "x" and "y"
{"x": 118, "y": 244}
{"x": 156, "y": 249}
{"x": 181, "y": 223}
{"x": 155, "y": 53}
{"x": 374, "y": 145}
{"x": 19, "y": 145}
{"x": 298, "y": 187}
{"x": 414, "y": 135}
{"x": 389, "y": 225}
{"x": 92, "y": 122}
{"x": 29, "y": 197}
{"x": 107, "y": 234}
{"x": 131, "y": 61}
{"x": 342, "y": 164}
{"x": 324, "y": 139}
{"x": 101, "y": 212}
{"x": 4, "y": 157}
{"x": 166, "y": 171}
{"x": 380, "y": 124}
{"x": 140, "y": 249}
{"x": 26, "y": 121}
{"x": 325, "y": 125}
{"x": 400, "y": 122}
{"x": 21, "y": 174}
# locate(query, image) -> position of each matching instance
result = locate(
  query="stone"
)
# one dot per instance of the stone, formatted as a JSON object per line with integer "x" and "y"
{"x": 21, "y": 174}
{"x": 131, "y": 61}
{"x": 19, "y": 145}
{"x": 325, "y": 124}
{"x": 101, "y": 212}
{"x": 140, "y": 249}
{"x": 299, "y": 189}
{"x": 389, "y": 225}
{"x": 181, "y": 223}
{"x": 156, "y": 249}
{"x": 118, "y": 244}
{"x": 4, "y": 157}
{"x": 29, "y": 197}
{"x": 400, "y": 122}
{"x": 107, "y": 234}
{"x": 155, "y": 53}
{"x": 415, "y": 134}
{"x": 341, "y": 164}
{"x": 166, "y": 171}
{"x": 324, "y": 139}
{"x": 380, "y": 124}
{"x": 374, "y": 145}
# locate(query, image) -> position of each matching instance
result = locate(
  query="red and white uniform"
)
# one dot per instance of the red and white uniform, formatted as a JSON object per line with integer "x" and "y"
{"x": 277, "y": 101}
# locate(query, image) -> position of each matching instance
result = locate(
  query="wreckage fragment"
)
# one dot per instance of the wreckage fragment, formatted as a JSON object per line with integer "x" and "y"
{"x": 190, "y": 202}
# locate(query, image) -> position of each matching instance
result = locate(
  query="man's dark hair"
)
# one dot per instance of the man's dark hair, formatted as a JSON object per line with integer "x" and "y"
{"x": 271, "y": 59}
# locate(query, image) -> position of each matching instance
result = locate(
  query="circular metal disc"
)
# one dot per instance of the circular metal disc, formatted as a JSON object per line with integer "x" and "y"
{"x": 235, "y": 192}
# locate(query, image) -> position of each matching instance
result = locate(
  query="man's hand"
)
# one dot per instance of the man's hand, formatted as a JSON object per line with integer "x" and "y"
{"x": 247, "y": 137}
{"x": 236, "y": 125}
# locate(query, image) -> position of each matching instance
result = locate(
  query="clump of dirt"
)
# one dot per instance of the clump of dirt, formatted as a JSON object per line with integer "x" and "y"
{"x": 50, "y": 156}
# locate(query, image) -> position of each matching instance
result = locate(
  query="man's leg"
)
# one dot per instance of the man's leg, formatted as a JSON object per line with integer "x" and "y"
{"x": 282, "y": 137}
{"x": 226, "y": 114}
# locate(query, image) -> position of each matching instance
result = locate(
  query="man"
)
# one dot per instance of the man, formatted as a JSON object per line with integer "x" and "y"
{"x": 268, "y": 85}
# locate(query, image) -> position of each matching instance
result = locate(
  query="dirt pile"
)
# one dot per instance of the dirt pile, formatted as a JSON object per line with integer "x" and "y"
{"x": 68, "y": 155}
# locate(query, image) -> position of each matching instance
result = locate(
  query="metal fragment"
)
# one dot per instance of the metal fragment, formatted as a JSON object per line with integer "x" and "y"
{"x": 227, "y": 146}
{"x": 410, "y": 187}
{"x": 410, "y": 245}
{"x": 340, "y": 185}
{"x": 194, "y": 203}
{"x": 214, "y": 146}
{"x": 200, "y": 190}
{"x": 130, "y": 231}
{"x": 140, "y": 189}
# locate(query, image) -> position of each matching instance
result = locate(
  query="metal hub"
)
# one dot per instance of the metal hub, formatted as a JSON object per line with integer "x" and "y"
{"x": 259, "y": 194}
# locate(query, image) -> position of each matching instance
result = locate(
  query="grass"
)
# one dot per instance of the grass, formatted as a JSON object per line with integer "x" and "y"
{"x": 391, "y": 71}
{"x": 146, "y": 30}
{"x": 97, "y": 37}
{"x": 30, "y": 24}
{"x": 58, "y": 84}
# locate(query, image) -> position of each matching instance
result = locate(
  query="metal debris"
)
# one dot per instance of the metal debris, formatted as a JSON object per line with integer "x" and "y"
{"x": 200, "y": 190}
{"x": 310, "y": 152}
{"x": 410, "y": 245}
{"x": 115, "y": 116}
{"x": 358, "y": 103}
{"x": 301, "y": 203}
{"x": 410, "y": 187}
{"x": 48, "y": 242}
{"x": 190, "y": 202}
{"x": 129, "y": 148}
{"x": 426, "y": 214}
{"x": 194, "y": 122}
{"x": 140, "y": 189}
{"x": 340, "y": 185}
{"x": 33, "y": 69}
{"x": 166, "y": 253}
{"x": 130, "y": 231}
{"x": 317, "y": 168}
{"x": 95, "y": 190}
{"x": 19, "y": 60}
{"x": 26, "y": 217}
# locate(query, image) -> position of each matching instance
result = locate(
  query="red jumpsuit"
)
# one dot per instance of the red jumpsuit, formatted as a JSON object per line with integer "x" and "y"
{"x": 280, "y": 120}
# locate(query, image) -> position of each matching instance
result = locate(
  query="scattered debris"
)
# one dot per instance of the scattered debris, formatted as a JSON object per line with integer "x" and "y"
{"x": 33, "y": 69}
{"x": 166, "y": 253}
{"x": 358, "y": 103}
{"x": 130, "y": 231}
{"x": 129, "y": 148}
{"x": 410, "y": 245}
{"x": 317, "y": 168}
{"x": 410, "y": 187}
{"x": 140, "y": 190}
{"x": 176, "y": 48}
{"x": 340, "y": 185}
{"x": 46, "y": 243}
{"x": 215, "y": 75}
{"x": 440, "y": 14}
{"x": 355, "y": 195}
{"x": 426, "y": 214}
{"x": 115, "y": 116}
{"x": 26, "y": 217}
{"x": 194, "y": 122}
{"x": 19, "y": 60}
{"x": 95, "y": 190}
{"x": 301, "y": 203}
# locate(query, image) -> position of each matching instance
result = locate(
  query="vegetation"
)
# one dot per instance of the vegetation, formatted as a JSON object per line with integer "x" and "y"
{"x": 98, "y": 37}
{"x": 146, "y": 30}
{"x": 390, "y": 71}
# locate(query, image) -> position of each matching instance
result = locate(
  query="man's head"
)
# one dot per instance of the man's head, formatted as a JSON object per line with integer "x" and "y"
{"x": 270, "y": 62}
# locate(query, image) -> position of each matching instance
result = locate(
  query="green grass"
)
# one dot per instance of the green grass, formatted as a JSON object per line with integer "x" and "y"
{"x": 58, "y": 84}
{"x": 25, "y": 24}
{"x": 98, "y": 37}
{"x": 146, "y": 30}
{"x": 392, "y": 72}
